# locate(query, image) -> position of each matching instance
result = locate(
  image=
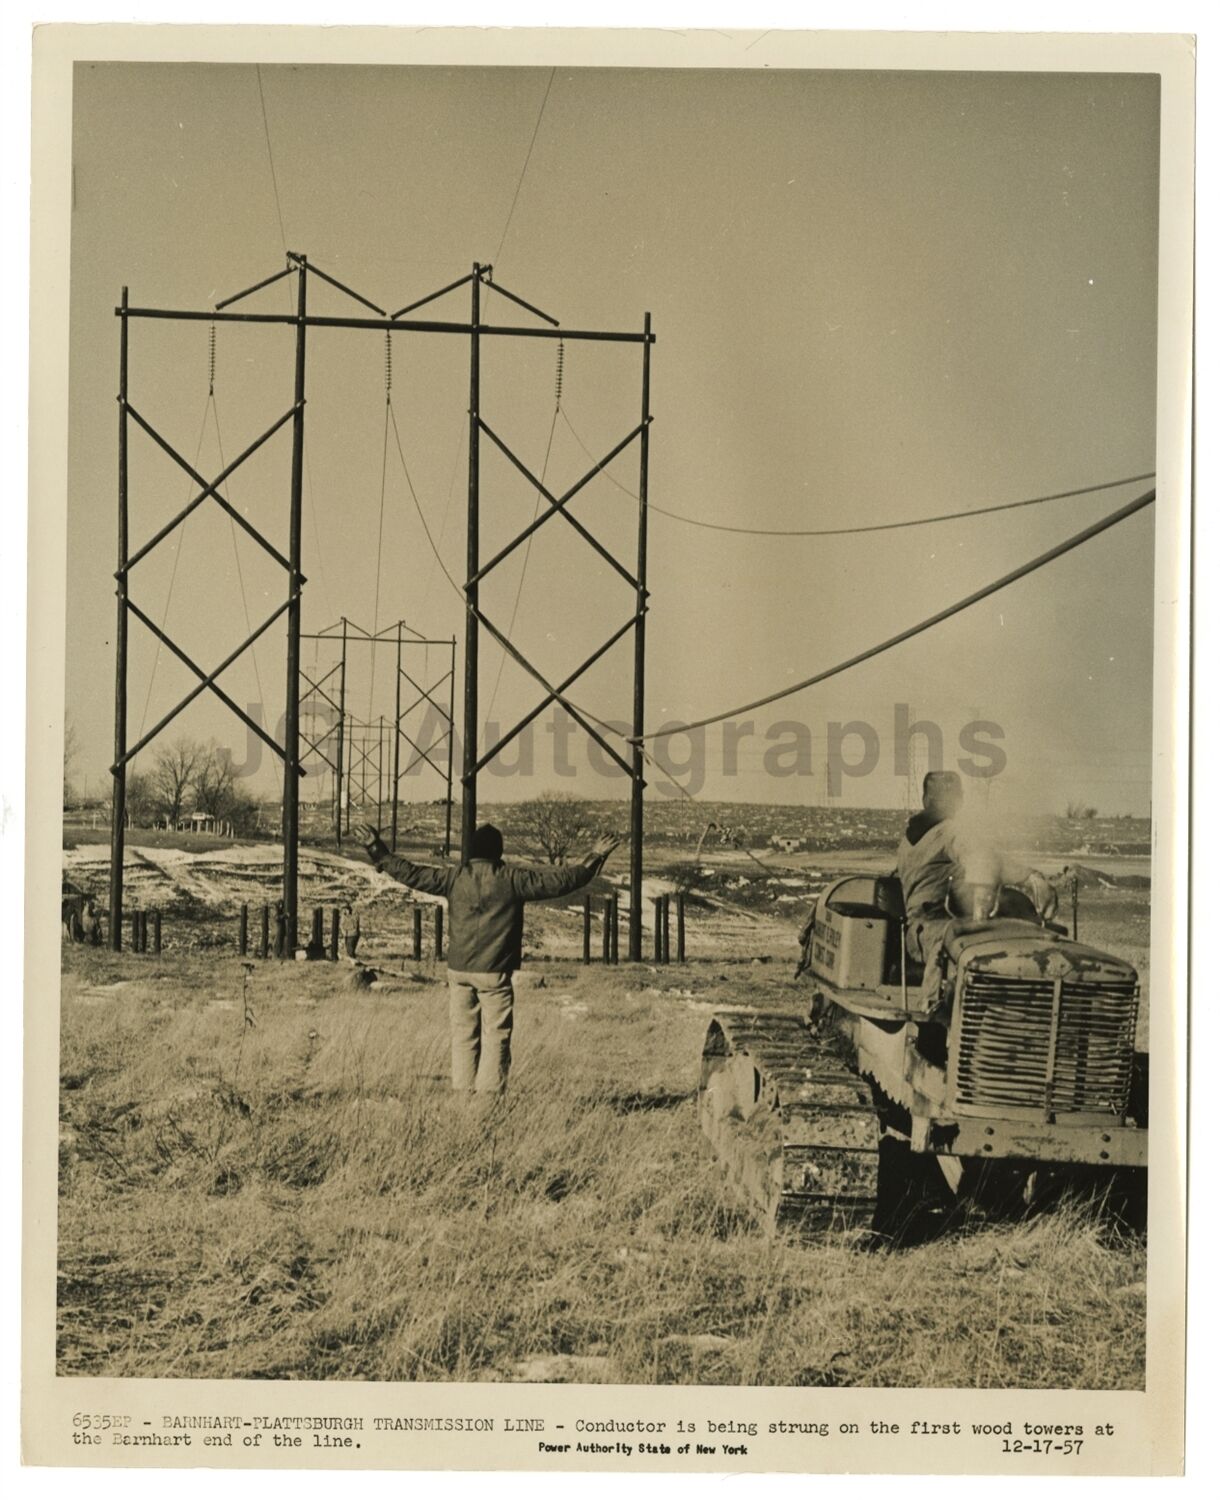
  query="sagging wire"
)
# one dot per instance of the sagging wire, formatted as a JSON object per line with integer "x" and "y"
{"x": 1032, "y": 566}
{"x": 650, "y": 759}
{"x": 220, "y": 450}
{"x": 169, "y": 592}
{"x": 419, "y": 510}
{"x": 524, "y": 168}
{"x": 385, "y": 453}
{"x": 279, "y": 214}
{"x": 209, "y": 408}
{"x": 953, "y": 515}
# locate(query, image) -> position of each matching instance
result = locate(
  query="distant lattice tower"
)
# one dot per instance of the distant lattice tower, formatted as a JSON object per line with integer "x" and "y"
{"x": 319, "y": 730}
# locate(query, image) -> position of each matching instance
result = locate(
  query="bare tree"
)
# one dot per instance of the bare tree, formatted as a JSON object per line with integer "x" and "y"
{"x": 556, "y": 822}
{"x": 173, "y": 774}
{"x": 213, "y": 782}
{"x": 71, "y": 747}
{"x": 141, "y": 799}
{"x": 215, "y": 785}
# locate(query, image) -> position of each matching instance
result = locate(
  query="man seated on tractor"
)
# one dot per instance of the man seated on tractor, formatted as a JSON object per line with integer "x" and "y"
{"x": 949, "y": 871}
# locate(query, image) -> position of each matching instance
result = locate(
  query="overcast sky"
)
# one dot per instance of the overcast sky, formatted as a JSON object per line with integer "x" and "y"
{"x": 876, "y": 297}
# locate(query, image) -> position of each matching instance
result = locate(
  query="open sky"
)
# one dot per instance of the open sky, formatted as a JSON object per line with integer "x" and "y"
{"x": 877, "y": 296}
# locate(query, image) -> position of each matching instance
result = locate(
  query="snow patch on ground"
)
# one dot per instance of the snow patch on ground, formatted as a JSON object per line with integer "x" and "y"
{"x": 221, "y": 879}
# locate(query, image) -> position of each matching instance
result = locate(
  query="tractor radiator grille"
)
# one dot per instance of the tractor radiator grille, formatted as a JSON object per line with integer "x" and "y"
{"x": 1022, "y": 1046}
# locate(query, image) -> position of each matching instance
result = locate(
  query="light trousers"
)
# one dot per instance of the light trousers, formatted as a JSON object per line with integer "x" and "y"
{"x": 480, "y": 1030}
{"x": 924, "y": 937}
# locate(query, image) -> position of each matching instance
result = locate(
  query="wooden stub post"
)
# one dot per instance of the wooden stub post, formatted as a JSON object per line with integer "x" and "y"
{"x": 614, "y": 928}
{"x": 156, "y": 928}
{"x": 681, "y": 904}
{"x": 417, "y": 933}
{"x": 332, "y": 951}
{"x": 243, "y": 929}
{"x": 587, "y": 952}
{"x": 664, "y": 929}
{"x": 607, "y": 911}
{"x": 281, "y": 935}
{"x": 656, "y": 929}
{"x": 264, "y": 933}
{"x": 439, "y": 918}
{"x": 315, "y": 934}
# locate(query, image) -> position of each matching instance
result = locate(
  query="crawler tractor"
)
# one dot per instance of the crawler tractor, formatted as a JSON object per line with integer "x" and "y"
{"x": 1014, "y": 1060}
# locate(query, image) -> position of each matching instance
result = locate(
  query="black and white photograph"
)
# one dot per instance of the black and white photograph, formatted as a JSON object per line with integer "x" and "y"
{"x": 619, "y": 680}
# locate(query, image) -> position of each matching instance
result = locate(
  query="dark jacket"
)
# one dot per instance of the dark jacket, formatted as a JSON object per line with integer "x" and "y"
{"x": 487, "y": 904}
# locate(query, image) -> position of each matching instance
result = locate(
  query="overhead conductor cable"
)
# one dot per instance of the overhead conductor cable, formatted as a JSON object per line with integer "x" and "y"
{"x": 913, "y": 630}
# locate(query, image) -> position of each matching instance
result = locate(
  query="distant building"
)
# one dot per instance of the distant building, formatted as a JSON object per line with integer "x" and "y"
{"x": 787, "y": 843}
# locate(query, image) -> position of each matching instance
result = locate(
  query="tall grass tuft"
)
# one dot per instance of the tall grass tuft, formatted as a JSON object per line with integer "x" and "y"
{"x": 305, "y": 1198}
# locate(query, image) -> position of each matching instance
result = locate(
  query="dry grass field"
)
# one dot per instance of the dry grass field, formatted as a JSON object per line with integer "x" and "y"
{"x": 264, "y": 1175}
